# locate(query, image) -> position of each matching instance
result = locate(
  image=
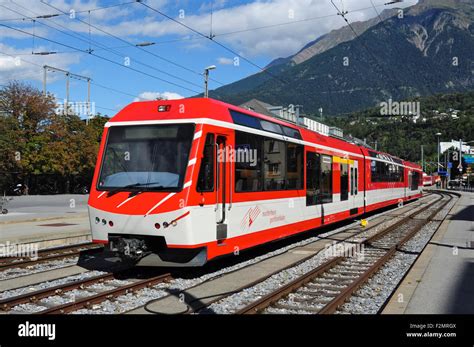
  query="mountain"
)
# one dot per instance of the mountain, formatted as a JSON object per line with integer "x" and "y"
{"x": 332, "y": 39}
{"x": 428, "y": 51}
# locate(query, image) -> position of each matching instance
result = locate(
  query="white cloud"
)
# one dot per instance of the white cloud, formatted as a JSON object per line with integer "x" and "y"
{"x": 158, "y": 95}
{"x": 134, "y": 22}
{"x": 20, "y": 64}
{"x": 225, "y": 61}
{"x": 275, "y": 41}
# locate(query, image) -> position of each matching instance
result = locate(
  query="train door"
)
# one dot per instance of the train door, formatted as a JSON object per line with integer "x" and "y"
{"x": 406, "y": 181}
{"x": 354, "y": 186}
{"x": 410, "y": 183}
{"x": 312, "y": 185}
{"x": 221, "y": 173}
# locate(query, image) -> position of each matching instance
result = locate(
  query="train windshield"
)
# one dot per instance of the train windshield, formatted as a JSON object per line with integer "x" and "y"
{"x": 146, "y": 157}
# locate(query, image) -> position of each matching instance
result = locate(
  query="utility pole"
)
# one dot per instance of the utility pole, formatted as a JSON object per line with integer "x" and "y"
{"x": 206, "y": 79}
{"x": 44, "y": 79}
{"x": 68, "y": 75}
{"x": 438, "y": 135}
{"x": 88, "y": 100}
{"x": 460, "y": 157}
{"x": 67, "y": 92}
{"x": 448, "y": 160}
{"x": 422, "y": 162}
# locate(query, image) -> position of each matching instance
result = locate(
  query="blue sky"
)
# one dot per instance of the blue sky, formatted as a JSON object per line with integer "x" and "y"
{"x": 287, "y": 26}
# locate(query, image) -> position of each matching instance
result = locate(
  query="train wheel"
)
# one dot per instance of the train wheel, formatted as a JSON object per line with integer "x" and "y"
{"x": 4, "y": 211}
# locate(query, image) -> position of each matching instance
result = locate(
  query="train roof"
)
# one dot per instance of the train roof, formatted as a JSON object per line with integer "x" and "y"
{"x": 191, "y": 108}
{"x": 195, "y": 108}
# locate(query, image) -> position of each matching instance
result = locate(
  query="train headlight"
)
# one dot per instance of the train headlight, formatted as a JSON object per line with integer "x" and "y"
{"x": 164, "y": 108}
{"x": 104, "y": 222}
{"x": 157, "y": 225}
{"x": 97, "y": 220}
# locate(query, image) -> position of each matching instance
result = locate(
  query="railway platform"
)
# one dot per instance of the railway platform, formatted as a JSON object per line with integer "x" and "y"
{"x": 46, "y": 221}
{"x": 441, "y": 281}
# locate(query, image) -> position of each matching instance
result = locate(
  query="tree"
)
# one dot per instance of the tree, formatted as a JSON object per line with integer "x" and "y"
{"x": 42, "y": 148}
{"x": 25, "y": 112}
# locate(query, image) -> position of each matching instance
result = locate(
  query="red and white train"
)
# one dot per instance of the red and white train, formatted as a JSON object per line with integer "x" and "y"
{"x": 181, "y": 182}
{"x": 429, "y": 180}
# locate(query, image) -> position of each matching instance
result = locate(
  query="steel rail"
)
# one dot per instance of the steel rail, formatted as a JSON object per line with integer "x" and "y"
{"x": 89, "y": 301}
{"x": 7, "y": 304}
{"x": 340, "y": 298}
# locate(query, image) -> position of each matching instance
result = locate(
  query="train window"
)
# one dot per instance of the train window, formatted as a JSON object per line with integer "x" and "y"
{"x": 294, "y": 168}
{"x": 245, "y": 119}
{"x": 256, "y": 123}
{"x": 318, "y": 179}
{"x": 386, "y": 172}
{"x": 280, "y": 169}
{"x": 326, "y": 179}
{"x": 146, "y": 157}
{"x": 312, "y": 178}
{"x": 290, "y": 132}
{"x": 274, "y": 164}
{"x": 206, "y": 172}
{"x": 344, "y": 182}
{"x": 352, "y": 181}
{"x": 271, "y": 127}
{"x": 248, "y": 165}
{"x": 355, "y": 182}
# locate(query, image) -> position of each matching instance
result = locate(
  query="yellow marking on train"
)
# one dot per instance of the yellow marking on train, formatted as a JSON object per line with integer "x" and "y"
{"x": 342, "y": 160}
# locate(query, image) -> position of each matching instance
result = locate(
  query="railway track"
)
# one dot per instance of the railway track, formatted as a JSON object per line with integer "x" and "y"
{"x": 324, "y": 289}
{"x": 47, "y": 255}
{"x": 201, "y": 306}
{"x": 195, "y": 306}
{"x": 89, "y": 296}
{"x": 94, "y": 298}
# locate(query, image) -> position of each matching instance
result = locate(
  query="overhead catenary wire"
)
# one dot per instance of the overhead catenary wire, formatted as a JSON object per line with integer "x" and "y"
{"x": 137, "y": 47}
{"x": 108, "y": 88}
{"x": 343, "y": 15}
{"x": 239, "y": 55}
{"x": 102, "y": 58}
{"x": 67, "y": 14}
{"x": 89, "y": 41}
{"x": 213, "y": 40}
{"x": 214, "y": 34}
{"x": 263, "y": 70}
{"x": 93, "y": 82}
{"x": 204, "y": 36}
{"x": 111, "y": 89}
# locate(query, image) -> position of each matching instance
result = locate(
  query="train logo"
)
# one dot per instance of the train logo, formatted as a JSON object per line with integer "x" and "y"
{"x": 250, "y": 217}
